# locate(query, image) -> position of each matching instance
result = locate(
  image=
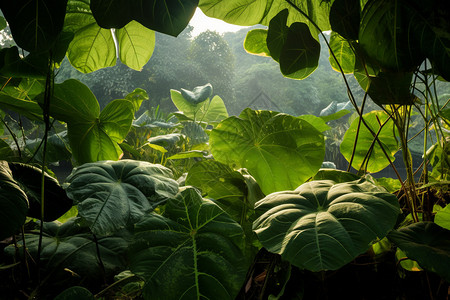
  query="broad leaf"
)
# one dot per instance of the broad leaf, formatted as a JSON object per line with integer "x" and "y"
{"x": 428, "y": 244}
{"x": 345, "y": 18}
{"x": 113, "y": 195}
{"x": 92, "y": 47}
{"x": 442, "y": 217}
{"x": 377, "y": 160}
{"x": 337, "y": 176}
{"x": 72, "y": 247}
{"x": 215, "y": 111}
{"x": 136, "y": 45}
{"x": 192, "y": 252}
{"x": 116, "y": 118}
{"x": 279, "y": 150}
{"x": 255, "y": 42}
{"x": 345, "y": 57}
{"x": 56, "y": 202}
{"x": 137, "y": 97}
{"x": 25, "y": 107}
{"x": 317, "y": 122}
{"x": 13, "y": 203}
{"x": 57, "y": 148}
{"x": 323, "y": 225}
{"x": 299, "y": 56}
{"x": 34, "y": 65}
{"x": 165, "y": 16}
{"x": 391, "y": 88}
{"x": 35, "y": 24}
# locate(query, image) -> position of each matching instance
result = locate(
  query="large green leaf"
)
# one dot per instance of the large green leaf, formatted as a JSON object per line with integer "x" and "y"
{"x": 323, "y": 225}
{"x": 391, "y": 88}
{"x": 300, "y": 54}
{"x": 428, "y": 244}
{"x": 345, "y": 57}
{"x": 136, "y": 45}
{"x": 72, "y": 247}
{"x": 93, "y": 135}
{"x": 387, "y": 137}
{"x": 279, "y": 150}
{"x": 137, "y": 97}
{"x": 345, "y": 16}
{"x": 112, "y": 195}
{"x": 57, "y": 148}
{"x": 192, "y": 252}
{"x": 56, "y": 202}
{"x": 25, "y": 107}
{"x": 442, "y": 217}
{"x": 34, "y": 65}
{"x": 251, "y": 12}
{"x": 165, "y": 16}
{"x": 215, "y": 111}
{"x": 35, "y": 24}
{"x": 13, "y": 203}
{"x": 386, "y": 36}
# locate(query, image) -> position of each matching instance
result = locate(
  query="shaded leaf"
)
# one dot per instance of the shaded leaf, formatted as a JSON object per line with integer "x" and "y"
{"x": 345, "y": 18}
{"x": 323, "y": 225}
{"x": 277, "y": 34}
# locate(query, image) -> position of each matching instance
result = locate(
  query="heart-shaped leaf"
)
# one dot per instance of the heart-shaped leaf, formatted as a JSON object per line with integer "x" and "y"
{"x": 428, "y": 244}
{"x": 279, "y": 150}
{"x": 255, "y": 42}
{"x": 277, "y": 34}
{"x": 192, "y": 252}
{"x": 323, "y": 225}
{"x": 113, "y": 195}
{"x": 345, "y": 16}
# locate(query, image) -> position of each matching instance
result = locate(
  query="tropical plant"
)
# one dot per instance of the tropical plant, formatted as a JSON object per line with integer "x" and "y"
{"x": 259, "y": 218}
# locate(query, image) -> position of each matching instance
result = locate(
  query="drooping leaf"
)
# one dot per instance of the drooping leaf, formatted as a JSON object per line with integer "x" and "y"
{"x": 71, "y": 246}
{"x": 300, "y": 53}
{"x": 426, "y": 243}
{"x": 56, "y": 202}
{"x": 136, "y": 45}
{"x": 113, "y": 195}
{"x": 323, "y": 225}
{"x": 255, "y": 42}
{"x": 279, "y": 150}
{"x": 377, "y": 159}
{"x": 345, "y": 57}
{"x": 35, "y": 24}
{"x": 198, "y": 94}
{"x": 188, "y": 154}
{"x": 345, "y": 16}
{"x": 169, "y": 17}
{"x": 391, "y": 88}
{"x": 190, "y": 109}
{"x": 193, "y": 251}
{"x": 13, "y": 203}
{"x": 166, "y": 139}
{"x": 25, "y": 107}
{"x": 277, "y": 34}
{"x": 335, "y": 116}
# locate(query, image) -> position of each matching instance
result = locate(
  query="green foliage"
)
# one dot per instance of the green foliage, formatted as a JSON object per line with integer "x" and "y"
{"x": 75, "y": 293}
{"x": 13, "y": 203}
{"x": 323, "y": 225}
{"x": 427, "y": 243}
{"x": 279, "y": 151}
{"x": 113, "y": 195}
{"x": 369, "y": 154}
{"x": 193, "y": 250}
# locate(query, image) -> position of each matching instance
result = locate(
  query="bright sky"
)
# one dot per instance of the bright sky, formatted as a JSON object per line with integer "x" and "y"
{"x": 202, "y": 23}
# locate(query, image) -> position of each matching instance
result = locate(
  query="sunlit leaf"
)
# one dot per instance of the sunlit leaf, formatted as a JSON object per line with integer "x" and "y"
{"x": 136, "y": 45}
{"x": 442, "y": 217}
{"x": 279, "y": 150}
{"x": 255, "y": 42}
{"x": 343, "y": 53}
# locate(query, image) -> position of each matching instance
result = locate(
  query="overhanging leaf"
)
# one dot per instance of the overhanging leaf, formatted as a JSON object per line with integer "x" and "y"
{"x": 255, "y": 42}
{"x": 165, "y": 16}
{"x": 323, "y": 225}
{"x": 428, "y": 244}
{"x": 345, "y": 57}
{"x": 193, "y": 251}
{"x": 279, "y": 150}
{"x": 277, "y": 34}
{"x": 345, "y": 18}
{"x": 113, "y": 195}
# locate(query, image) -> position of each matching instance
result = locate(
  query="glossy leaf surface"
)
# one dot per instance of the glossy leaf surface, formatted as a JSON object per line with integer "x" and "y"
{"x": 113, "y": 195}
{"x": 192, "y": 252}
{"x": 279, "y": 150}
{"x": 323, "y": 225}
